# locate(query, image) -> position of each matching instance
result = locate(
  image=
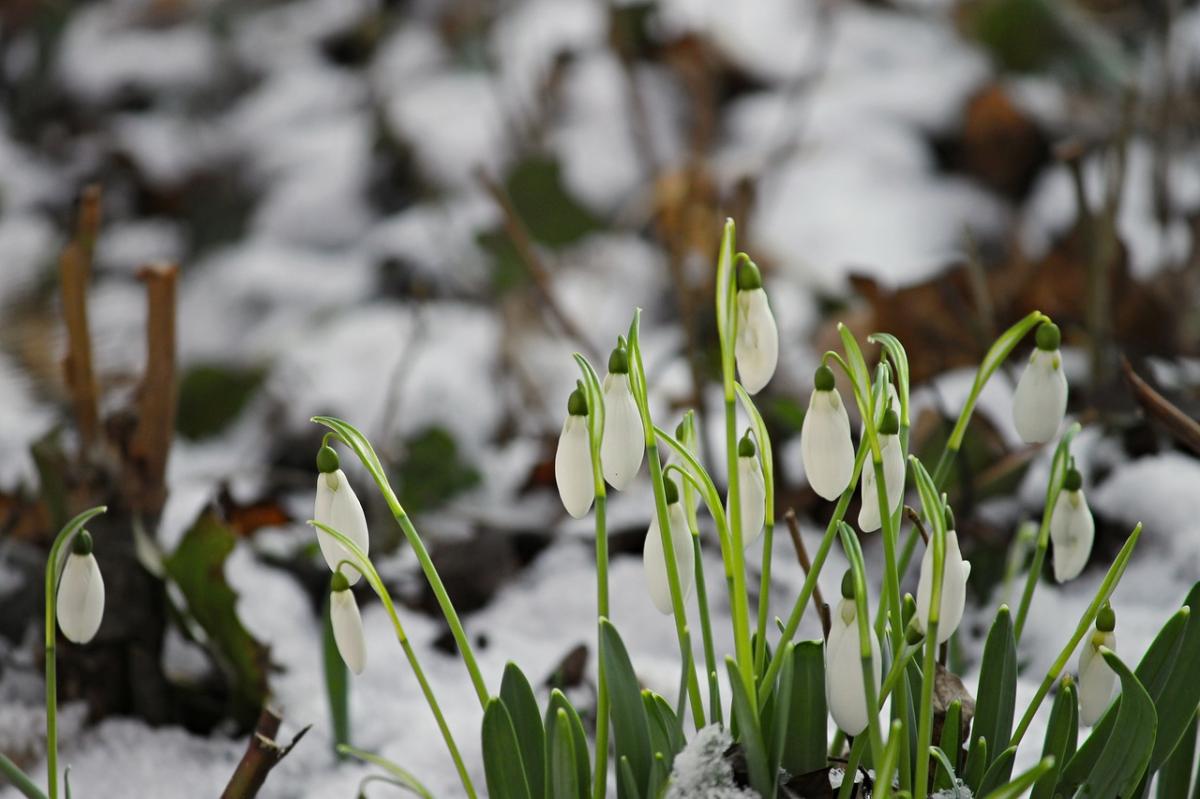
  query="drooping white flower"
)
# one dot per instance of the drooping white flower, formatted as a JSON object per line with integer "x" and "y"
{"x": 825, "y": 445}
{"x": 1096, "y": 677}
{"x": 654, "y": 560}
{"x": 893, "y": 476}
{"x": 844, "y": 690}
{"x": 757, "y": 345}
{"x": 1072, "y": 528}
{"x": 752, "y": 491}
{"x": 573, "y": 459}
{"x": 624, "y": 440}
{"x": 954, "y": 587}
{"x": 347, "y": 624}
{"x": 1041, "y": 397}
{"x": 337, "y": 506}
{"x": 79, "y": 605}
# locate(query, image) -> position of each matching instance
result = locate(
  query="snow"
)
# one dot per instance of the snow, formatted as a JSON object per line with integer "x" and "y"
{"x": 701, "y": 772}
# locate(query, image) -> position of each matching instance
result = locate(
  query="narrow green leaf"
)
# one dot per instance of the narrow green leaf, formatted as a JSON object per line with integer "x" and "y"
{"x": 564, "y": 778}
{"x": 807, "y": 740}
{"x": 631, "y": 734}
{"x": 1062, "y": 736}
{"x": 673, "y": 724}
{"x": 998, "y": 772}
{"x": 337, "y": 682}
{"x": 401, "y": 775}
{"x": 522, "y": 706}
{"x": 951, "y": 743}
{"x": 749, "y": 733}
{"x": 781, "y": 709}
{"x": 977, "y": 762}
{"x": 859, "y": 374}
{"x": 626, "y": 782}
{"x": 1177, "y": 700}
{"x": 356, "y": 441}
{"x": 583, "y": 766}
{"x": 899, "y": 358}
{"x": 19, "y": 779}
{"x": 947, "y": 778}
{"x": 1175, "y": 777}
{"x": 502, "y": 761}
{"x": 1020, "y": 785}
{"x": 1127, "y": 752}
{"x": 996, "y": 702}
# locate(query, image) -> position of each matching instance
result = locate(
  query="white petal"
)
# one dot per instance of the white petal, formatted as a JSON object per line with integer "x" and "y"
{"x": 1041, "y": 398}
{"x": 893, "y": 477}
{"x": 1072, "y": 529}
{"x": 844, "y": 690}
{"x": 954, "y": 589}
{"x": 757, "y": 344}
{"x": 80, "y": 601}
{"x": 825, "y": 445}
{"x": 1096, "y": 681}
{"x": 752, "y": 498}
{"x": 337, "y": 506}
{"x": 624, "y": 441}
{"x": 348, "y": 630}
{"x": 573, "y": 467}
{"x": 654, "y": 561}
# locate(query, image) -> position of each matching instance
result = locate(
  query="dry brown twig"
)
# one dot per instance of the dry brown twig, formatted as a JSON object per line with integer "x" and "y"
{"x": 1183, "y": 428}
{"x": 806, "y": 564}
{"x": 157, "y": 394}
{"x": 262, "y": 754}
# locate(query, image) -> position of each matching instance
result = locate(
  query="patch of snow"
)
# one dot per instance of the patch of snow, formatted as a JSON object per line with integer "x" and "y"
{"x": 701, "y": 771}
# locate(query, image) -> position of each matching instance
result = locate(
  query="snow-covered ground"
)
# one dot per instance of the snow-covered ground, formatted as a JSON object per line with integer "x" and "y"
{"x": 297, "y": 292}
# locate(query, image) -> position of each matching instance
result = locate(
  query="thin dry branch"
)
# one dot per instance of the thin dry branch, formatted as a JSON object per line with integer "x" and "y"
{"x": 262, "y": 754}
{"x": 806, "y": 564}
{"x": 77, "y": 364}
{"x": 1183, "y": 428}
{"x": 87, "y": 227}
{"x": 157, "y": 394}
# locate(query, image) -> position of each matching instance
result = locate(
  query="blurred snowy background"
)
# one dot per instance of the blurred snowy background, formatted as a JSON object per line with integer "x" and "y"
{"x": 410, "y": 213}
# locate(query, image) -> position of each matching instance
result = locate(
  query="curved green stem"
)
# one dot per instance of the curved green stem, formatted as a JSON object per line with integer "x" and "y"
{"x": 866, "y": 635}
{"x": 935, "y": 512}
{"x": 364, "y": 566}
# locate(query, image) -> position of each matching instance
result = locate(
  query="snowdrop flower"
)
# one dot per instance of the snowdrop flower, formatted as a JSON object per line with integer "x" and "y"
{"x": 573, "y": 459}
{"x": 1096, "y": 677}
{"x": 954, "y": 586}
{"x": 757, "y": 344}
{"x": 752, "y": 491}
{"x": 1041, "y": 397}
{"x": 654, "y": 560}
{"x": 80, "y": 600}
{"x": 893, "y": 475}
{"x": 844, "y": 691}
{"x": 338, "y": 507}
{"x": 624, "y": 440}
{"x": 347, "y": 623}
{"x": 825, "y": 445}
{"x": 1072, "y": 528}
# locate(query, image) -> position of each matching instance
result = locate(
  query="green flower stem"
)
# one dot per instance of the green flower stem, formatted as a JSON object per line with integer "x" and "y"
{"x": 848, "y": 778}
{"x": 865, "y": 635}
{"x": 891, "y": 754}
{"x": 356, "y": 441}
{"x": 19, "y": 779}
{"x": 810, "y": 580}
{"x": 935, "y": 512}
{"x": 54, "y": 565}
{"x": 767, "y": 464}
{"x": 367, "y": 569}
{"x": 1107, "y": 586}
{"x": 637, "y": 373}
{"x": 1058, "y": 471}
{"x": 764, "y": 597}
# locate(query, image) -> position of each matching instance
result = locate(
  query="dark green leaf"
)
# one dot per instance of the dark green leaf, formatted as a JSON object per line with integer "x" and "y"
{"x": 1175, "y": 777}
{"x": 1062, "y": 736}
{"x": 947, "y": 779}
{"x": 337, "y": 682}
{"x": 583, "y": 768}
{"x": 807, "y": 739}
{"x": 564, "y": 777}
{"x": 749, "y": 733}
{"x": 626, "y": 782}
{"x": 666, "y": 737}
{"x": 502, "y": 762}
{"x": 433, "y": 471}
{"x": 776, "y": 724}
{"x": 631, "y": 735}
{"x": 976, "y": 763}
{"x": 1021, "y": 784}
{"x": 400, "y": 776}
{"x": 951, "y": 743}
{"x": 1177, "y": 700}
{"x": 211, "y": 396}
{"x": 19, "y": 779}
{"x": 997, "y": 696}
{"x": 998, "y": 772}
{"x": 543, "y": 204}
{"x": 522, "y": 706}
{"x": 673, "y": 724}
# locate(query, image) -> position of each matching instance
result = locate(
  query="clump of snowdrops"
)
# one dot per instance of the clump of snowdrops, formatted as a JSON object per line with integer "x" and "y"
{"x": 879, "y": 659}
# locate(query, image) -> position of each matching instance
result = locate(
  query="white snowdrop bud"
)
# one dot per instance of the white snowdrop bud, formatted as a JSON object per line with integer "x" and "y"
{"x": 752, "y": 491}
{"x": 347, "y": 624}
{"x": 757, "y": 345}
{"x": 573, "y": 459}
{"x": 80, "y": 599}
{"x": 844, "y": 690}
{"x": 893, "y": 476}
{"x": 624, "y": 440}
{"x": 954, "y": 587}
{"x": 338, "y": 507}
{"x": 1096, "y": 677}
{"x": 654, "y": 561}
{"x": 825, "y": 445}
{"x": 1072, "y": 528}
{"x": 1041, "y": 398}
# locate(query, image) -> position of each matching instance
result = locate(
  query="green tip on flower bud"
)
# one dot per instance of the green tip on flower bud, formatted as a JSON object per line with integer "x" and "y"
{"x": 908, "y": 608}
{"x": 748, "y": 276}
{"x": 950, "y": 519}
{"x": 577, "y": 403}
{"x": 913, "y": 634}
{"x": 823, "y": 379}
{"x": 618, "y": 361}
{"x": 681, "y": 432}
{"x": 890, "y": 425}
{"x": 1073, "y": 481}
{"x": 327, "y": 460}
{"x": 848, "y": 584}
{"x": 671, "y": 490}
{"x": 746, "y": 448}
{"x": 339, "y": 582}
{"x": 82, "y": 544}
{"x": 1048, "y": 336}
{"x": 1106, "y": 619}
